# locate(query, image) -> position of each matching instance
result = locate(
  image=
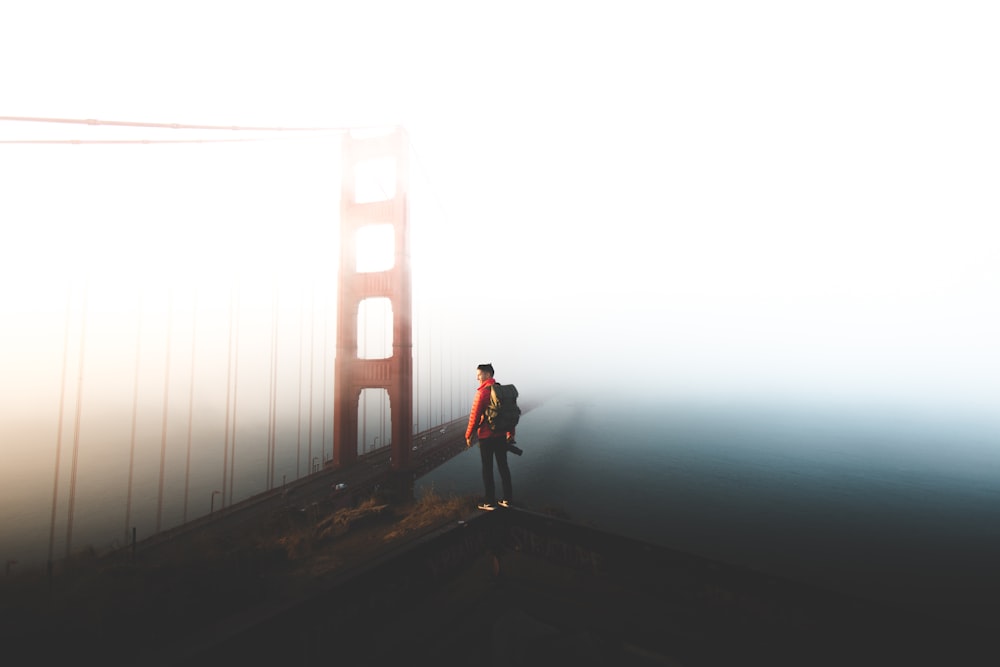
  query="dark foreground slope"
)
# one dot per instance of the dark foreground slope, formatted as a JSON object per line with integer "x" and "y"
{"x": 387, "y": 583}
{"x": 519, "y": 588}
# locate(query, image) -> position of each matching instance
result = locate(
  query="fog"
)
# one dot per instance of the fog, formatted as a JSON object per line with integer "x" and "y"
{"x": 721, "y": 201}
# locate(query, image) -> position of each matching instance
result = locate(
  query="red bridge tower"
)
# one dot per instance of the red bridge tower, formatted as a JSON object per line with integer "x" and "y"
{"x": 352, "y": 373}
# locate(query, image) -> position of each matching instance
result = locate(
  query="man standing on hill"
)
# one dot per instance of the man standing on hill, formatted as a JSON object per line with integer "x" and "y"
{"x": 490, "y": 444}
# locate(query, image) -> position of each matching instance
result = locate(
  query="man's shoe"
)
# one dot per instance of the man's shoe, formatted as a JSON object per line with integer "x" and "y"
{"x": 504, "y": 503}
{"x": 486, "y": 507}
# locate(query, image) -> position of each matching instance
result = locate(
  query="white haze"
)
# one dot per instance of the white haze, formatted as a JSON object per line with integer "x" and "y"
{"x": 695, "y": 199}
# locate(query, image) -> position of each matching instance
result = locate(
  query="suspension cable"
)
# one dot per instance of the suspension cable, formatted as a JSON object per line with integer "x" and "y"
{"x": 93, "y": 122}
{"x": 170, "y": 126}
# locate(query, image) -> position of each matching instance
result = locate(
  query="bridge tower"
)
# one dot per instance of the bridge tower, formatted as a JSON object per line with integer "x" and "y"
{"x": 352, "y": 373}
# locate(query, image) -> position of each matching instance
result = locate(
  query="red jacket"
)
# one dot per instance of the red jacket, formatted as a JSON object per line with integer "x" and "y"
{"x": 477, "y": 416}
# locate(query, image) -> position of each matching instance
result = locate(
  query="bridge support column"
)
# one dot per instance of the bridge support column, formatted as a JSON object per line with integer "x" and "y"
{"x": 353, "y": 374}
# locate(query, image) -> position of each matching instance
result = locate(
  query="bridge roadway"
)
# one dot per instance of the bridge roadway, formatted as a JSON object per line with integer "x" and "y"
{"x": 371, "y": 471}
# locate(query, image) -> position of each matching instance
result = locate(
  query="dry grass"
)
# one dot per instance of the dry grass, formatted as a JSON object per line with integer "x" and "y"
{"x": 353, "y": 536}
{"x": 210, "y": 577}
{"x": 430, "y": 511}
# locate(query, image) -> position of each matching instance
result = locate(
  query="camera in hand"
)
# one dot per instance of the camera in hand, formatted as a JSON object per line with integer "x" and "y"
{"x": 514, "y": 449}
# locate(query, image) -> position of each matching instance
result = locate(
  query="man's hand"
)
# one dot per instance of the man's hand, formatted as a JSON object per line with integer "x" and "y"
{"x": 468, "y": 443}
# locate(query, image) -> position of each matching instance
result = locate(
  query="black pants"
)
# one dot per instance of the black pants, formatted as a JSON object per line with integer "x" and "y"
{"x": 488, "y": 449}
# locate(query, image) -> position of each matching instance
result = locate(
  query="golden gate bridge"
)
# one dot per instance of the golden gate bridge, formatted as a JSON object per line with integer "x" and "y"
{"x": 197, "y": 393}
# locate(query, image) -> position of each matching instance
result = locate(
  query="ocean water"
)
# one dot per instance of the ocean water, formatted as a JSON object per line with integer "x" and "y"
{"x": 900, "y": 505}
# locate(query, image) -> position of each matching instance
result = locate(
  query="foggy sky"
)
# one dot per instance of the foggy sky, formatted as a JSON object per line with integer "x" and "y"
{"x": 708, "y": 199}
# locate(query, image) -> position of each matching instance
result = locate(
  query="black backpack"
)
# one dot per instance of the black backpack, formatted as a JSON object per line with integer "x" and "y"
{"x": 502, "y": 414}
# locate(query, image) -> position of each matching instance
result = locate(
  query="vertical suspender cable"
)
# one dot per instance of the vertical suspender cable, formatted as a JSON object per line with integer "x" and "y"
{"x": 441, "y": 380}
{"x": 274, "y": 397}
{"x": 135, "y": 413}
{"x": 236, "y": 387}
{"x": 166, "y": 404}
{"x": 187, "y": 459}
{"x": 326, "y": 334}
{"x": 430, "y": 372}
{"x": 417, "y": 341}
{"x": 272, "y": 393}
{"x": 364, "y": 392}
{"x": 76, "y": 426}
{"x": 229, "y": 386}
{"x": 312, "y": 367}
{"x": 298, "y": 436}
{"x": 382, "y": 394}
{"x": 59, "y": 430}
